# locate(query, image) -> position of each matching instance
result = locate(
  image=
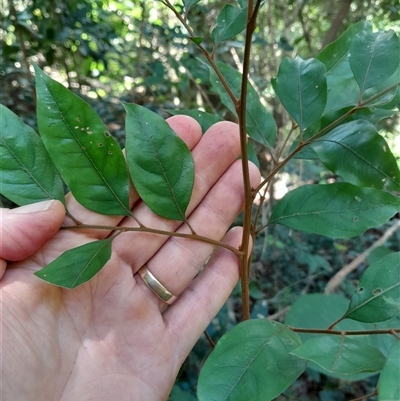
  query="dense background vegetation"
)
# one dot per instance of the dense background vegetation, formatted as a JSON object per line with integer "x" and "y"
{"x": 137, "y": 51}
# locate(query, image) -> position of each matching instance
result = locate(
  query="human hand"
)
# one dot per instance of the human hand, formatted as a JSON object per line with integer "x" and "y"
{"x": 112, "y": 338}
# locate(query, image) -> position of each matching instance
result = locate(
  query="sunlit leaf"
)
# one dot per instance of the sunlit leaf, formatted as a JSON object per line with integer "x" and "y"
{"x": 374, "y": 57}
{"x": 78, "y": 265}
{"x": 160, "y": 163}
{"x": 338, "y": 210}
{"x": 251, "y": 362}
{"x": 206, "y": 120}
{"x": 377, "y": 296}
{"x": 27, "y": 174}
{"x": 260, "y": 124}
{"x": 89, "y": 160}
{"x": 357, "y": 153}
{"x": 230, "y": 22}
{"x": 341, "y": 354}
{"x": 389, "y": 383}
{"x": 301, "y": 87}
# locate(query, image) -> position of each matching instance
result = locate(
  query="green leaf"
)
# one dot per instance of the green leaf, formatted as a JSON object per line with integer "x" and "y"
{"x": 27, "y": 174}
{"x": 374, "y": 57}
{"x": 196, "y": 39}
{"x": 78, "y": 265}
{"x": 377, "y": 296}
{"x": 230, "y": 22}
{"x": 338, "y": 210}
{"x": 343, "y": 90}
{"x": 260, "y": 124}
{"x": 389, "y": 383}
{"x": 319, "y": 311}
{"x": 160, "y": 163}
{"x": 252, "y": 155}
{"x": 336, "y": 51}
{"x": 206, "y": 120}
{"x": 251, "y": 362}
{"x": 343, "y": 355}
{"x": 302, "y": 89}
{"x": 89, "y": 160}
{"x": 357, "y": 153}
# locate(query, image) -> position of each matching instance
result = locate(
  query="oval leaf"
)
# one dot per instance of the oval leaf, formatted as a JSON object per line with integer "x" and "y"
{"x": 78, "y": 265}
{"x": 357, "y": 153}
{"x": 374, "y": 57}
{"x": 341, "y": 355}
{"x": 301, "y": 87}
{"x": 160, "y": 163}
{"x": 260, "y": 124}
{"x": 377, "y": 296}
{"x": 389, "y": 383}
{"x": 89, "y": 160}
{"x": 230, "y": 22}
{"x": 251, "y": 362}
{"x": 338, "y": 210}
{"x": 27, "y": 174}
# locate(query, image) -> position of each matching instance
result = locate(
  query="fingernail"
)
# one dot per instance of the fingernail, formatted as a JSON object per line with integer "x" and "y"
{"x": 33, "y": 207}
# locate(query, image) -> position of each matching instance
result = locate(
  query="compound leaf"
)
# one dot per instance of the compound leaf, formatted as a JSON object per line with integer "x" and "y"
{"x": 160, "y": 163}
{"x": 89, "y": 160}
{"x": 27, "y": 174}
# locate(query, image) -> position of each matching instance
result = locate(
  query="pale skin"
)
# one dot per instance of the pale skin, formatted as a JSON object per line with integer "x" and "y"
{"x": 112, "y": 338}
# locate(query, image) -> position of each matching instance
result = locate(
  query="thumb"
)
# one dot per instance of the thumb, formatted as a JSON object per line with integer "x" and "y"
{"x": 24, "y": 230}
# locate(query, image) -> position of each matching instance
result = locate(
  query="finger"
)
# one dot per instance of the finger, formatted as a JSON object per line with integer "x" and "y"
{"x": 213, "y": 155}
{"x": 180, "y": 259}
{"x": 185, "y": 127}
{"x": 204, "y": 297}
{"x": 26, "y": 229}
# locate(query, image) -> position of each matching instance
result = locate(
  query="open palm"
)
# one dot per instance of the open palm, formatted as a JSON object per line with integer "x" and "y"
{"x": 112, "y": 338}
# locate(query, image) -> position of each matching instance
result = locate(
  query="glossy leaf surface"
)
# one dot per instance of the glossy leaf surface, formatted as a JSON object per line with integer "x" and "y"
{"x": 78, "y": 265}
{"x": 251, "y": 362}
{"x": 27, "y": 174}
{"x": 89, "y": 160}
{"x": 259, "y": 122}
{"x": 160, "y": 163}
{"x": 302, "y": 89}
{"x": 338, "y": 210}
{"x": 206, "y": 120}
{"x": 374, "y": 57}
{"x": 377, "y": 296}
{"x": 389, "y": 383}
{"x": 230, "y": 22}
{"x": 343, "y": 355}
{"x": 357, "y": 153}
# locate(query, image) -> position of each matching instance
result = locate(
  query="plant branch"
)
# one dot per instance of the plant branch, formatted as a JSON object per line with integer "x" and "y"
{"x": 196, "y": 237}
{"x": 249, "y": 197}
{"x": 345, "y": 332}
